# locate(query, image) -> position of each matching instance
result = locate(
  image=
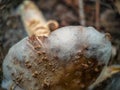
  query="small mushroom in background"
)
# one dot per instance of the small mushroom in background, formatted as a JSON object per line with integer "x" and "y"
{"x": 69, "y": 58}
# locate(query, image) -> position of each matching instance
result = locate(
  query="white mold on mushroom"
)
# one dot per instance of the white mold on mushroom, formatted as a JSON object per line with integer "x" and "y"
{"x": 73, "y": 39}
{"x": 69, "y": 58}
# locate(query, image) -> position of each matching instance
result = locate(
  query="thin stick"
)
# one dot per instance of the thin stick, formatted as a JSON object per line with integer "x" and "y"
{"x": 81, "y": 12}
{"x": 97, "y": 24}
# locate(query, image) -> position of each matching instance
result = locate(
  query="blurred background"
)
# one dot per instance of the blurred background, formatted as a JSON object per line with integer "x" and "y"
{"x": 104, "y": 15}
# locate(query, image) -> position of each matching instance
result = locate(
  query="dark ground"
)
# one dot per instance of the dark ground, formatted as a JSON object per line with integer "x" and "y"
{"x": 66, "y": 13}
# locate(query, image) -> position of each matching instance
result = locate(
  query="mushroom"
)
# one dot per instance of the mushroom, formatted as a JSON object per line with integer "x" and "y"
{"x": 67, "y": 58}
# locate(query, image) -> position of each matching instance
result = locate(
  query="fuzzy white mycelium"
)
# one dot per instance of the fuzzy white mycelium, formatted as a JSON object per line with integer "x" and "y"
{"x": 63, "y": 43}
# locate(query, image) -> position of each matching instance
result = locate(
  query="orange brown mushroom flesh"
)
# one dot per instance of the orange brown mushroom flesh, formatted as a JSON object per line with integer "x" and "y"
{"x": 77, "y": 74}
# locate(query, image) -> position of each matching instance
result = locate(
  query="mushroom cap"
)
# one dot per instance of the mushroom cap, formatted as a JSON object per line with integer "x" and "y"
{"x": 74, "y": 52}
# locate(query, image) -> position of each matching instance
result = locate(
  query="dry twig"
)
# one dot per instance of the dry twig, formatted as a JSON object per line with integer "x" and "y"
{"x": 97, "y": 24}
{"x": 81, "y": 12}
